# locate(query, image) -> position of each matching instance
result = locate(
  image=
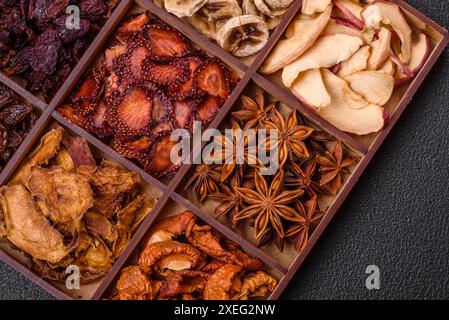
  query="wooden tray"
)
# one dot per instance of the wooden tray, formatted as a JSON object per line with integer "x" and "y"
{"x": 365, "y": 147}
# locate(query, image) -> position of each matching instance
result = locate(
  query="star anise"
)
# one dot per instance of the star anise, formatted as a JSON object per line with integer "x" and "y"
{"x": 253, "y": 111}
{"x": 303, "y": 177}
{"x": 268, "y": 204}
{"x": 300, "y": 232}
{"x": 238, "y": 144}
{"x": 230, "y": 201}
{"x": 204, "y": 181}
{"x": 332, "y": 168}
{"x": 291, "y": 137}
{"x": 317, "y": 140}
{"x": 270, "y": 236}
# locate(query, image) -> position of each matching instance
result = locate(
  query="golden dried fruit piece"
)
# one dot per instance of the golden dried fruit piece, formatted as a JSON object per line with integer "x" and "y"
{"x": 184, "y": 8}
{"x": 134, "y": 285}
{"x": 257, "y": 284}
{"x": 224, "y": 283}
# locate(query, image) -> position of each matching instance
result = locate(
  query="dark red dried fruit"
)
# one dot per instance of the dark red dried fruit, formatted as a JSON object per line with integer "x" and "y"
{"x": 132, "y": 116}
{"x": 166, "y": 44}
{"x": 45, "y": 53}
{"x": 46, "y": 10}
{"x": 3, "y": 138}
{"x": 213, "y": 78}
{"x": 12, "y": 115}
{"x": 162, "y": 108}
{"x": 188, "y": 88}
{"x": 7, "y": 96}
{"x": 68, "y": 112}
{"x": 14, "y": 140}
{"x": 208, "y": 109}
{"x": 68, "y": 35}
{"x": 185, "y": 113}
{"x": 136, "y": 58}
{"x": 98, "y": 124}
{"x": 135, "y": 149}
{"x": 90, "y": 88}
{"x": 159, "y": 161}
{"x": 93, "y": 9}
{"x": 171, "y": 73}
{"x": 134, "y": 24}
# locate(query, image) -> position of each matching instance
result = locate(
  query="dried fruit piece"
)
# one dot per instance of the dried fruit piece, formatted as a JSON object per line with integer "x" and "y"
{"x": 133, "y": 25}
{"x": 184, "y": 113}
{"x": 166, "y": 44}
{"x": 132, "y": 115}
{"x": 187, "y": 88}
{"x": 213, "y": 78}
{"x": 375, "y": 86}
{"x": 310, "y": 7}
{"x": 184, "y": 8}
{"x": 243, "y": 35}
{"x": 136, "y": 58}
{"x": 133, "y": 284}
{"x": 159, "y": 160}
{"x": 68, "y": 111}
{"x": 224, "y": 284}
{"x": 358, "y": 62}
{"x": 309, "y": 88}
{"x": 257, "y": 284}
{"x": 11, "y": 116}
{"x": 208, "y": 109}
{"x": 172, "y": 73}
{"x": 7, "y": 96}
{"x": 381, "y": 49}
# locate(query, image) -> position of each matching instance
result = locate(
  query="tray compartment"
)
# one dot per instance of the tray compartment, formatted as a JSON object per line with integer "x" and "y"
{"x": 22, "y": 263}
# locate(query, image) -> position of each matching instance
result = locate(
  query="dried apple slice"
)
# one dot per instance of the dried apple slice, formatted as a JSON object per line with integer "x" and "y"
{"x": 310, "y": 7}
{"x": 420, "y": 52}
{"x": 326, "y": 53}
{"x": 336, "y": 26}
{"x": 300, "y": 37}
{"x": 213, "y": 78}
{"x": 387, "y": 13}
{"x": 375, "y": 86}
{"x": 358, "y": 62}
{"x": 352, "y": 12}
{"x": 309, "y": 89}
{"x": 361, "y": 121}
{"x": 381, "y": 49}
{"x": 389, "y": 67}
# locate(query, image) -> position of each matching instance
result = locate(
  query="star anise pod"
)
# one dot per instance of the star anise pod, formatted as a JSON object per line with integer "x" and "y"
{"x": 268, "y": 204}
{"x": 300, "y": 232}
{"x": 270, "y": 236}
{"x": 333, "y": 166}
{"x": 303, "y": 177}
{"x": 291, "y": 137}
{"x": 230, "y": 201}
{"x": 231, "y": 160}
{"x": 317, "y": 140}
{"x": 253, "y": 111}
{"x": 204, "y": 181}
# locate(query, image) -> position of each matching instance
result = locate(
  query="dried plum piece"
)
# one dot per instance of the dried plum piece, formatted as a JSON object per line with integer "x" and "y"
{"x": 166, "y": 44}
{"x": 188, "y": 88}
{"x": 20, "y": 62}
{"x": 4, "y": 137}
{"x": 208, "y": 109}
{"x": 93, "y": 10}
{"x": 177, "y": 71}
{"x": 213, "y": 78}
{"x": 12, "y": 115}
{"x": 7, "y": 96}
{"x": 68, "y": 35}
{"x": 45, "y": 11}
{"x": 130, "y": 116}
{"x": 45, "y": 53}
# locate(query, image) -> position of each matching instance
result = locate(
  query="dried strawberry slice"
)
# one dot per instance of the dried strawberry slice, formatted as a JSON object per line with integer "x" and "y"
{"x": 131, "y": 115}
{"x": 86, "y": 107}
{"x": 163, "y": 128}
{"x": 162, "y": 108}
{"x": 91, "y": 87}
{"x": 166, "y": 44}
{"x": 136, "y": 58}
{"x": 159, "y": 162}
{"x": 213, "y": 78}
{"x": 172, "y": 73}
{"x": 98, "y": 123}
{"x": 185, "y": 113}
{"x": 188, "y": 88}
{"x": 115, "y": 50}
{"x": 135, "y": 149}
{"x": 133, "y": 25}
{"x": 68, "y": 111}
{"x": 208, "y": 109}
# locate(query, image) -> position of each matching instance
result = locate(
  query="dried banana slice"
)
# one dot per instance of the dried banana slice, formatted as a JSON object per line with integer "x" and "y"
{"x": 263, "y": 7}
{"x": 243, "y": 36}
{"x": 213, "y": 15}
{"x": 249, "y": 8}
{"x": 279, "y": 4}
{"x": 184, "y": 8}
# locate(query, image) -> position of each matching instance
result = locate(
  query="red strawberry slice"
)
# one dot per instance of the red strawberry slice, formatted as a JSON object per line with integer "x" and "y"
{"x": 185, "y": 112}
{"x": 188, "y": 88}
{"x": 162, "y": 108}
{"x": 160, "y": 163}
{"x": 213, "y": 78}
{"x": 137, "y": 57}
{"x": 68, "y": 112}
{"x": 98, "y": 123}
{"x": 166, "y": 74}
{"x": 208, "y": 109}
{"x": 166, "y": 44}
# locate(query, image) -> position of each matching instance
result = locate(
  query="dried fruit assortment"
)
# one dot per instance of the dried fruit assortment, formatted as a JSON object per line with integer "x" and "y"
{"x": 37, "y": 46}
{"x": 16, "y": 120}
{"x": 344, "y": 58}
{"x": 62, "y": 209}
{"x": 182, "y": 258}
{"x": 284, "y": 206}
{"x": 241, "y": 27}
{"x": 150, "y": 81}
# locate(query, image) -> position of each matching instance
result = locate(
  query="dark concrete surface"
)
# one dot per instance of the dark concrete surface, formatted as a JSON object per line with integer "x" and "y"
{"x": 397, "y": 217}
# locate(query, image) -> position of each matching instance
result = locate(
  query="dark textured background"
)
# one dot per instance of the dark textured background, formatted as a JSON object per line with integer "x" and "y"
{"x": 397, "y": 217}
